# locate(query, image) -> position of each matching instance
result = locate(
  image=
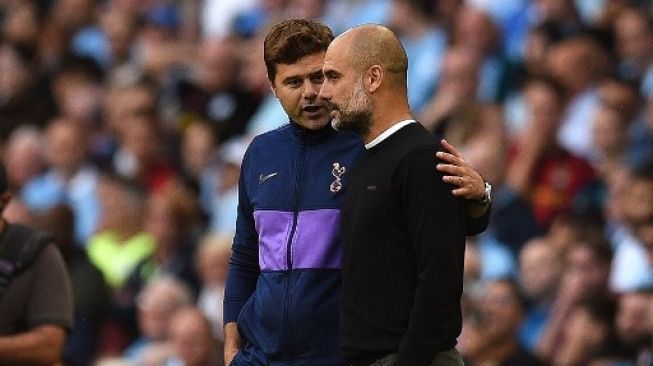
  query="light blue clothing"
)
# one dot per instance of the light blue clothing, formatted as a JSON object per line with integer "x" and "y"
{"x": 590, "y": 10}
{"x": 631, "y": 269}
{"x": 646, "y": 86}
{"x": 515, "y": 31}
{"x": 424, "y": 66}
{"x": 367, "y": 11}
{"x": 80, "y": 193}
{"x": 533, "y": 325}
{"x": 496, "y": 259}
{"x": 225, "y": 212}
{"x": 173, "y": 361}
{"x": 500, "y": 11}
{"x": 208, "y": 183}
{"x": 491, "y": 78}
{"x": 134, "y": 351}
{"x": 92, "y": 42}
{"x": 575, "y": 132}
{"x": 516, "y": 113}
{"x": 268, "y": 116}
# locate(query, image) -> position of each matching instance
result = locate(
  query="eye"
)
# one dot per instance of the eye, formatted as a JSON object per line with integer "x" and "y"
{"x": 293, "y": 83}
{"x": 317, "y": 78}
{"x": 331, "y": 76}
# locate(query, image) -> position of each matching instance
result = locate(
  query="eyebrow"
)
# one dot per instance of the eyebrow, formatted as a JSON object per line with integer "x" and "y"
{"x": 331, "y": 73}
{"x": 291, "y": 79}
{"x": 310, "y": 74}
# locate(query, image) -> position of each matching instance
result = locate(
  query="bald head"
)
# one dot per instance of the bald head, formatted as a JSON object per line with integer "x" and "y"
{"x": 365, "y": 80}
{"x": 373, "y": 44}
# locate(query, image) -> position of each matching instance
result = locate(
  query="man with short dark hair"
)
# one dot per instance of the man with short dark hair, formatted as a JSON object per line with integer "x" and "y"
{"x": 283, "y": 287}
{"x": 35, "y": 293}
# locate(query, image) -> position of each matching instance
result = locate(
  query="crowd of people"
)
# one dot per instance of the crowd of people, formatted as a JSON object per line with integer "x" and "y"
{"x": 123, "y": 125}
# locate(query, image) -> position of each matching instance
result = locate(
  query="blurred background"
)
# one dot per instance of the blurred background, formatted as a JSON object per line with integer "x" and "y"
{"x": 123, "y": 124}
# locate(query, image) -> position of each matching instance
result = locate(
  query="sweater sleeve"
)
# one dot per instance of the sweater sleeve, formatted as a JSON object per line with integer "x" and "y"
{"x": 243, "y": 265}
{"x": 436, "y": 225}
{"x": 477, "y": 225}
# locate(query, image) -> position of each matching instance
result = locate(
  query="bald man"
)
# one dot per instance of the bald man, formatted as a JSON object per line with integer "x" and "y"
{"x": 403, "y": 234}
{"x": 282, "y": 293}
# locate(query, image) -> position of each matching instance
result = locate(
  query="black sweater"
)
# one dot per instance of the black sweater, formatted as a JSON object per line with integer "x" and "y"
{"x": 403, "y": 234}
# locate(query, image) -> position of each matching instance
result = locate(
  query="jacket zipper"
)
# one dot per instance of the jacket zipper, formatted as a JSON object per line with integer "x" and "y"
{"x": 293, "y": 229}
{"x": 295, "y": 205}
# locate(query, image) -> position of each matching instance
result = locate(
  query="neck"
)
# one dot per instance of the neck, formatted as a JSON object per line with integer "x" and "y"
{"x": 384, "y": 119}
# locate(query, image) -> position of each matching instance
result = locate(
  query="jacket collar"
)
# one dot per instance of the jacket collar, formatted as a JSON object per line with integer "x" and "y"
{"x": 311, "y": 137}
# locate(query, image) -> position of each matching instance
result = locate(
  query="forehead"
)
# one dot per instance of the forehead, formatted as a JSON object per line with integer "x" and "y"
{"x": 304, "y": 66}
{"x": 335, "y": 57}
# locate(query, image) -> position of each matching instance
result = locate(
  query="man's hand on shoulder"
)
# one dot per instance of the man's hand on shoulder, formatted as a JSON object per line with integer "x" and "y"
{"x": 468, "y": 182}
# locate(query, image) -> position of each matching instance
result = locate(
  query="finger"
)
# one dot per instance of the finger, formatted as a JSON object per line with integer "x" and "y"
{"x": 459, "y": 192}
{"x": 450, "y": 148}
{"x": 450, "y": 158}
{"x": 451, "y": 169}
{"x": 453, "y": 179}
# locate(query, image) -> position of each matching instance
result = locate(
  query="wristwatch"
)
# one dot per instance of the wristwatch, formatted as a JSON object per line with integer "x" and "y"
{"x": 488, "y": 194}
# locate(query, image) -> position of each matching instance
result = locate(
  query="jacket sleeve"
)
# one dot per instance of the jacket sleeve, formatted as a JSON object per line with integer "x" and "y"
{"x": 477, "y": 225}
{"x": 243, "y": 265}
{"x": 436, "y": 225}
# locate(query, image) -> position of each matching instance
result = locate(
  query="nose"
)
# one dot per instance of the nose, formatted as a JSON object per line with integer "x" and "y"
{"x": 309, "y": 91}
{"x": 325, "y": 91}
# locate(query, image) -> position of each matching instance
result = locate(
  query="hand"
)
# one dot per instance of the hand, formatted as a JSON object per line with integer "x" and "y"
{"x": 470, "y": 184}
{"x": 232, "y": 342}
{"x": 229, "y": 355}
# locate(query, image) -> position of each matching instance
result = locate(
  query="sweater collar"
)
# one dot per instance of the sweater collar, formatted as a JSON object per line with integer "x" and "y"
{"x": 389, "y": 132}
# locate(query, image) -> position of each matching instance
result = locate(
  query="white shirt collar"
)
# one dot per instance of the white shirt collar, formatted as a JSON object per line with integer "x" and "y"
{"x": 387, "y": 133}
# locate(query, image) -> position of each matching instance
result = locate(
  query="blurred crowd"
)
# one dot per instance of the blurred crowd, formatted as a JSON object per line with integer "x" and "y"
{"x": 123, "y": 124}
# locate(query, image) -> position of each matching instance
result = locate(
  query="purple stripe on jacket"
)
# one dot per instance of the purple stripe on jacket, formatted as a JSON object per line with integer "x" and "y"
{"x": 315, "y": 245}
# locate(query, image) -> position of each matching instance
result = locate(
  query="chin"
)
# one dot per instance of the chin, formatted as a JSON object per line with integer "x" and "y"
{"x": 314, "y": 124}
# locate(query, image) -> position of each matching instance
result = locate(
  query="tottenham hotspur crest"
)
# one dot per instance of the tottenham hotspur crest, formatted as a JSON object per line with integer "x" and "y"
{"x": 337, "y": 172}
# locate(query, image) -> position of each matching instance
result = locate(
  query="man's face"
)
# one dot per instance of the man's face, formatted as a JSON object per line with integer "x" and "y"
{"x": 501, "y": 311}
{"x": 344, "y": 91}
{"x": 297, "y": 86}
{"x": 632, "y": 318}
{"x": 539, "y": 269}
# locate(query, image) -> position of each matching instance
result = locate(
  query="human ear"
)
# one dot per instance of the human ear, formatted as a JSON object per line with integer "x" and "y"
{"x": 374, "y": 77}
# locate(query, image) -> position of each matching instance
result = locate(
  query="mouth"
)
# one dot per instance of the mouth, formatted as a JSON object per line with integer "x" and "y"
{"x": 313, "y": 108}
{"x": 315, "y": 111}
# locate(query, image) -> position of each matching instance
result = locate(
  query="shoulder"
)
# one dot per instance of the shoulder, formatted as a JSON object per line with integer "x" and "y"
{"x": 272, "y": 135}
{"x": 418, "y": 145}
{"x": 24, "y": 243}
{"x": 267, "y": 140}
{"x": 49, "y": 255}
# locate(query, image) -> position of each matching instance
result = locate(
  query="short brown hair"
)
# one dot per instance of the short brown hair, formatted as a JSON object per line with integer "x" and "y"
{"x": 292, "y": 40}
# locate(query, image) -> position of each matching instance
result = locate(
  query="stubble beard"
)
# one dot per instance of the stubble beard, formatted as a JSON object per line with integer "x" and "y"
{"x": 356, "y": 115}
